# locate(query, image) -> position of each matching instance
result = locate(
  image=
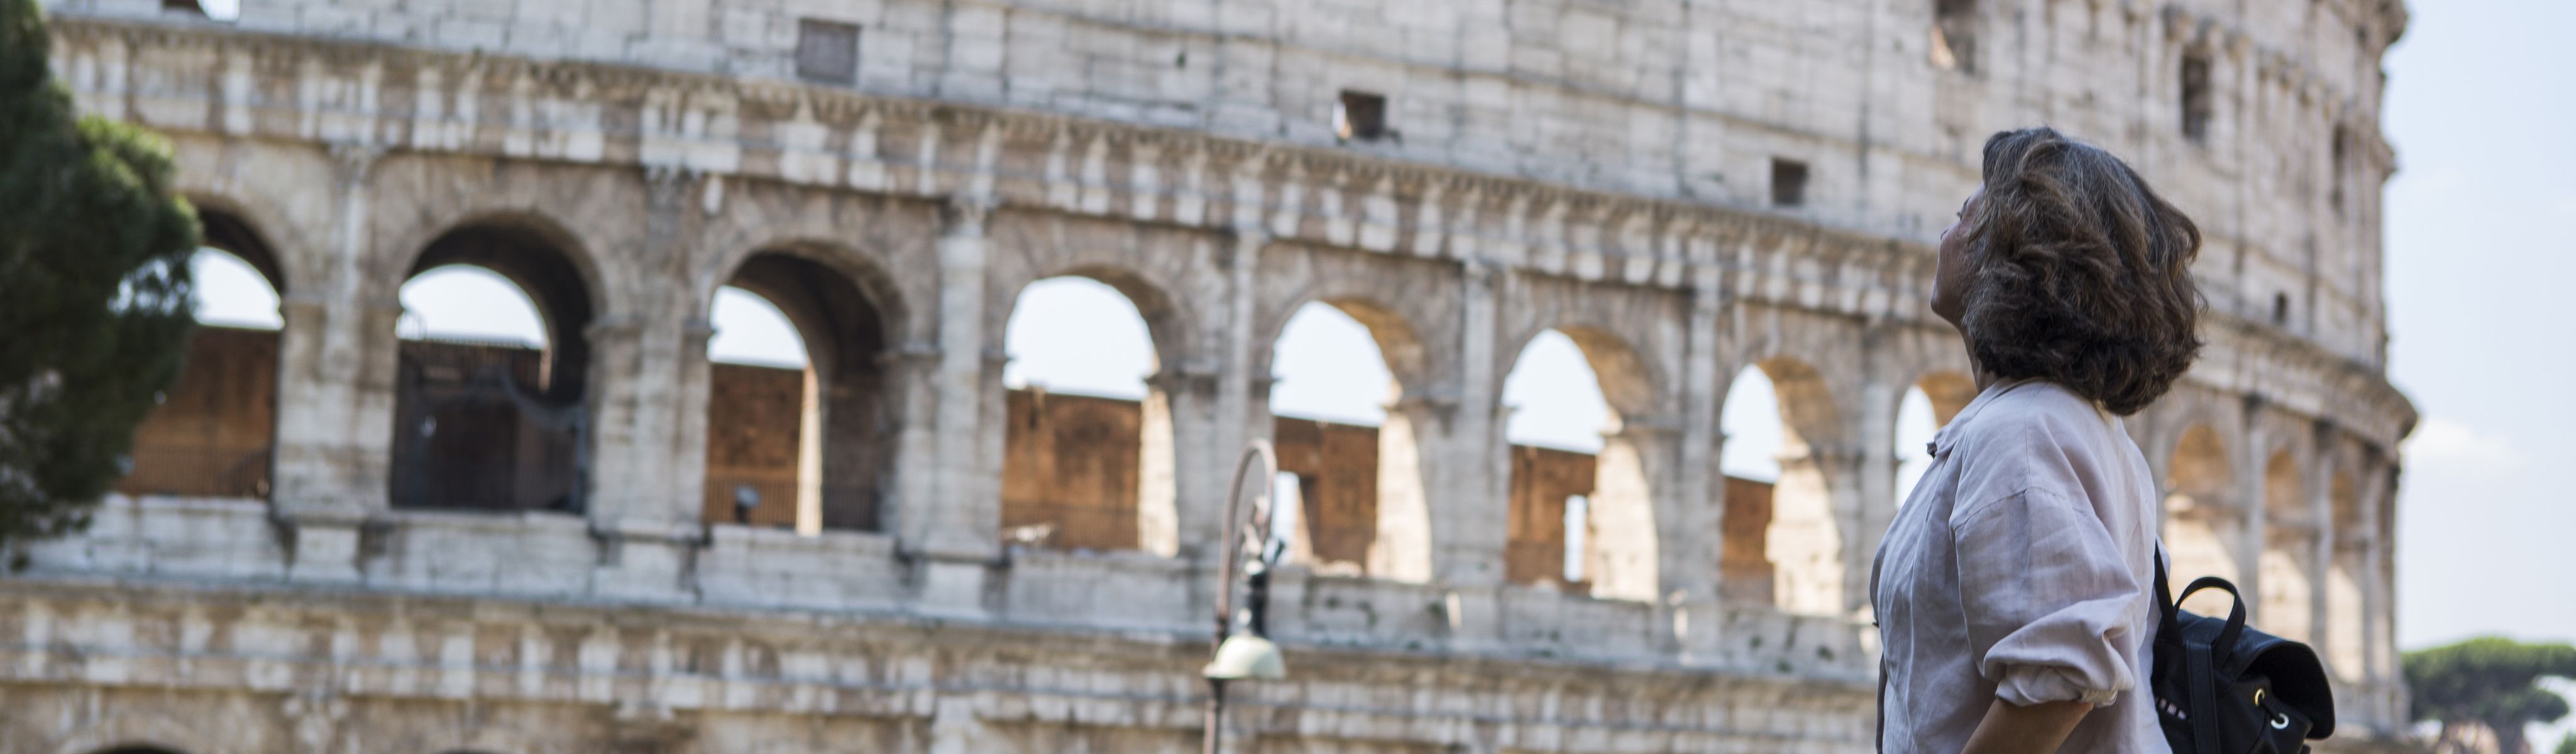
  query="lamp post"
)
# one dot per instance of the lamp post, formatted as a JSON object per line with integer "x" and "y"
{"x": 1250, "y": 655}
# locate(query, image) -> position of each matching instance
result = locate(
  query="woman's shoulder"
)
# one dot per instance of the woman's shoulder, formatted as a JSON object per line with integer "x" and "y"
{"x": 2034, "y": 410}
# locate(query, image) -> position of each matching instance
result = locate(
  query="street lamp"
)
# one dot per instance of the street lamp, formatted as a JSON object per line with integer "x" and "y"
{"x": 1250, "y": 655}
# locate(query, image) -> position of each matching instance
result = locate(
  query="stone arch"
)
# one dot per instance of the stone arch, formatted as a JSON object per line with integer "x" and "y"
{"x": 2285, "y": 605}
{"x": 483, "y": 426}
{"x": 2203, "y": 521}
{"x": 824, "y": 436}
{"x": 255, "y": 219}
{"x": 1621, "y": 556}
{"x": 1949, "y": 390}
{"x": 427, "y": 237}
{"x": 236, "y": 228}
{"x": 1798, "y": 535}
{"x": 1029, "y": 247}
{"x": 1922, "y": 409}
{"x": 1371, "y": 511}
{"x": 1097, "y": 473}
{"x": 215, "y": 431}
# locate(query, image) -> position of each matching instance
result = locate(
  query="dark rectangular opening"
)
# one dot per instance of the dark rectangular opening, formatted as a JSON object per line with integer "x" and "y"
{"x": 827, "y": 51}
{"x": 2196, "y": 104}
{"x": 1788, "y": 183}
{"x": 1954, "y": 35}
{"x": 1360, "y": 116}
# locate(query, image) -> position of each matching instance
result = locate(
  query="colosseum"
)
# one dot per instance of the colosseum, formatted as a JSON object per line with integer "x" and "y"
{"x": 340, "y": 538}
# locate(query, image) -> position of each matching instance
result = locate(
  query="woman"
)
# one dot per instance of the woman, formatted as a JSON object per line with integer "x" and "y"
{"x": 2013, "y": 591}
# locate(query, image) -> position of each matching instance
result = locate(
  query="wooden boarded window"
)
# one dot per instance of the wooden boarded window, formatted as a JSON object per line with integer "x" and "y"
{"x": 1336, "y": 468}
{"x": 1543, "y": 479}
{"x": 1071, "y": 473}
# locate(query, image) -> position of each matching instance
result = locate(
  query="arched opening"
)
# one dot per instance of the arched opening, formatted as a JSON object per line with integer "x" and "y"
{"x": 2284, "y": 608}
{"x": 1355, "y": 464}
{"x": 2344, "y": 610}
{"x": 1927, "y": 406}
{"x": 1087, "y": 457}
{"x": 212, "y": 433}
{"x": 797, "y": 428}
{"x": 1580, "y": 514}
{"x": 1783, "y": 542}
{"x": 488, "y": 407}
{"x": 2202, "y": 520}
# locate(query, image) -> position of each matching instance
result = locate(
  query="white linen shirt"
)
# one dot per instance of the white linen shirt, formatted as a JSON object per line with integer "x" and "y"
{"x": 2021, "y": 568}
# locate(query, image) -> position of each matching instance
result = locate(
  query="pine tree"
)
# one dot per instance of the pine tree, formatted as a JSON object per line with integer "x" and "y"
{"x": 2489, "y": 681}
{"x": 94, "y": 291}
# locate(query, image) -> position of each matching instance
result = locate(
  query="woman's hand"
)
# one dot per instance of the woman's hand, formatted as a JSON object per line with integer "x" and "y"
{"x": 2036, "y": 729}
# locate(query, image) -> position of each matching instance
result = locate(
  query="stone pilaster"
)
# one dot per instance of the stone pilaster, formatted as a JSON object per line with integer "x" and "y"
{"x": 953, "y": 534}
{"x": 1470, "y": 497}
{"x": 643, "y": 360}
{"x": 335, "y": 379}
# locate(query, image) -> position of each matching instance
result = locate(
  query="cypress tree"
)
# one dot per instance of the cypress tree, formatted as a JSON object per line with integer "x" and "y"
{"x": 94, "y": 291}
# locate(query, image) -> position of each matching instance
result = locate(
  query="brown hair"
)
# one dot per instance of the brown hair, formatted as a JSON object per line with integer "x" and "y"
{"x": 2079, "y": 273}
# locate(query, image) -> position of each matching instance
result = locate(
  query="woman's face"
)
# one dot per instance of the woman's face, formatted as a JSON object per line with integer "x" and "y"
{"x": 1950, "y": 276}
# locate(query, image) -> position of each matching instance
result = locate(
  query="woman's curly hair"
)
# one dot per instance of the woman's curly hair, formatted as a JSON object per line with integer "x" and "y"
{"x": 2078, "y": 273}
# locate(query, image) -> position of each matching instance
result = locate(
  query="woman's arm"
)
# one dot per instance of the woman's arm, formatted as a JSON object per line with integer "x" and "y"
{"x": 2036, "y": 729}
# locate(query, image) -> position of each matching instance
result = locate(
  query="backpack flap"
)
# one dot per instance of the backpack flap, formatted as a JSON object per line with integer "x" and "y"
{"x": 2297, "y": 677}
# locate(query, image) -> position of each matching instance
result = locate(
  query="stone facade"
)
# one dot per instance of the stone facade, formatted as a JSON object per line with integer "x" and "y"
{"x": 1685, "y": 189}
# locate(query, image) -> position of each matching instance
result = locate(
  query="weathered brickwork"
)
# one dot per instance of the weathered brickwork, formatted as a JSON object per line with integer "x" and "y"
{"x": 1599, "y": 169}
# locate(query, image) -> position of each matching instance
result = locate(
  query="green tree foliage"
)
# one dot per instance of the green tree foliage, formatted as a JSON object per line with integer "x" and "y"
{"x": 2491, "y": 680}
{"x": 94, "y": 290}
{"x": 2567, "y": 745}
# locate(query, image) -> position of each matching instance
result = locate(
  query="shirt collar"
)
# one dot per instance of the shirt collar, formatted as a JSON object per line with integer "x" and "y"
{"x": 1948, "y": 436}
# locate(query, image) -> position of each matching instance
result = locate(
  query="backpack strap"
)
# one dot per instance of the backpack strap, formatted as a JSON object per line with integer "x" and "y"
{"x": 2166, "y": 605}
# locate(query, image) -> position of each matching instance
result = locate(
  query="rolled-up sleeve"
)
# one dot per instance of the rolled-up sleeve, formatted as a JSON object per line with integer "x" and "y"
{"x": 2047, "y": 598}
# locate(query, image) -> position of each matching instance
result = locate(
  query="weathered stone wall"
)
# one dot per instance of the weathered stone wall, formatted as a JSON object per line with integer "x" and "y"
{"x": 1597, "y": 170}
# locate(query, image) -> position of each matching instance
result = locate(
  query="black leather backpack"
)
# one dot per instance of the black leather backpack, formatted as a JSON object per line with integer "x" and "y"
{"x": 2223, "y": 688}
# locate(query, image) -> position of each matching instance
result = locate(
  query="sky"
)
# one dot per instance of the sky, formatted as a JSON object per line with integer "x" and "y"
{"x": 2481, "y": 107}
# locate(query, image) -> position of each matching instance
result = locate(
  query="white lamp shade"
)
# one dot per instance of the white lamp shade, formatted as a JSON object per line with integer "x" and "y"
{"x": 1247, "y": 656}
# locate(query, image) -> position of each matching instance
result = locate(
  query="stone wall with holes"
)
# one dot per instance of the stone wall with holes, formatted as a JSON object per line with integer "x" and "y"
{"x": 1603, "y": 170}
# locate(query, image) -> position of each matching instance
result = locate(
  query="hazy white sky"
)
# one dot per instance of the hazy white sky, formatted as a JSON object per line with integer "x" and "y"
{"x": 2481, "y": 106}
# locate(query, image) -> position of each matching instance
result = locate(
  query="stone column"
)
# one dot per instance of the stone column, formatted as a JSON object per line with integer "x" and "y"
{"x": 1634, "y": 485}
{"x": 333, "y": 451}
{"x": 1203, "y": 473}
{"x": 1814, "y": 509}
{"x": 1466, "y": 467}
{"x": 1182, "y": 509}
{"x": 2375, "y": 671}
{"x": 1408, "y": 444}
{"x": 1469, "y": 463}
{"x": 2253, "y": 509}
{"x": 638, "y": 454}
{"x": 2321, "y": 544}
{"x": 1689, "y": 519}
{"x": 953, "y": 534}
